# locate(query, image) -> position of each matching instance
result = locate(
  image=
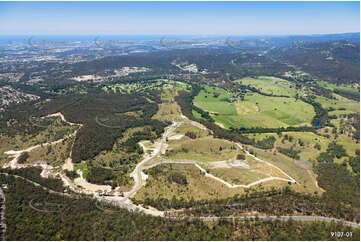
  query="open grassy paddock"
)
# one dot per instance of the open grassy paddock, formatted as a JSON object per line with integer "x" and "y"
{"x": 255, "y": 111}
{"x": 237, "y": 176}
{"x": 188, "y": 127}
{"x": 201, "y": 149}
{"x": 270, "y": 85}
{"x": 347, "y": 105}
{"x": 273, "y": 112}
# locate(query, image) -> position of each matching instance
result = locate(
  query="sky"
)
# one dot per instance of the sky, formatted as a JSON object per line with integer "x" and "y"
{"x": 200, "y": 18}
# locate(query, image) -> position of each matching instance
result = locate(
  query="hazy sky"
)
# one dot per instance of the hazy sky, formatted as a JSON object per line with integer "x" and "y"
{"x": 229, "y": 18}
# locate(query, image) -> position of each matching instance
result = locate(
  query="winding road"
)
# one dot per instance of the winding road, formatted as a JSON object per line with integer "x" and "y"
{"x": 219, "y": 179}
{"x": 137, "y": 174}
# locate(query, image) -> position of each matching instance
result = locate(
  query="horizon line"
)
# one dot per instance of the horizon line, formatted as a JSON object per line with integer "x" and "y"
{"x": 161, "y": 34}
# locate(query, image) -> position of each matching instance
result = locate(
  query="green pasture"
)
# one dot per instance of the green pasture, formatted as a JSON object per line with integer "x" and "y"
{"x": 255, "y": 111}
{"x": 221, "y": 104}
{"x": 270, "y": 85}
{"x": 339, "y": 103}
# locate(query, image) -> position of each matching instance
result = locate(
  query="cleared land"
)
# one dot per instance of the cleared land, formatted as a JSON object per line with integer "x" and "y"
{"x": 202, "y": 149}
{"x": 340, "y": 105}
{"x": 160, "y": 185}
{"x": 262, "y": 111}
{"x": 169, "y": 110}
{"x": 270, "y": 85}
{"x": 306, "y": 179}
{"x": 255, "y": 111}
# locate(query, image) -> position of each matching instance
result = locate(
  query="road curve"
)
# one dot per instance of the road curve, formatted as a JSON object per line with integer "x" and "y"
{"x": 137, "y": 174}
{"x": 263, "y": 161}
{"x": 229, "y": 185}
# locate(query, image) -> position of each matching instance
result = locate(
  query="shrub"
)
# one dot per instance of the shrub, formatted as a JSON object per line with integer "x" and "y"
{"x": 23, "y": 157}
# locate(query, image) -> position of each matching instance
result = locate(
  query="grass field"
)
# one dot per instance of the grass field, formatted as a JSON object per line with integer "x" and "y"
{"x": 309, "y": 139}
{"x": 242, "y": 176}
{"x": 198, "y": 186}
{"x": 188, "y": 127}
{"x": 306, "y": 179}
{"x": 270, "y": 85}
{"x": 237, "y": 176}
{"x": 340, "y": 102}
{"x": 209, "y": 101}
{"x": 255, "y": 111}
{"x": 353, "y": 88}
{"x": 202, "y": 149}
{"x": 262, "y": 111}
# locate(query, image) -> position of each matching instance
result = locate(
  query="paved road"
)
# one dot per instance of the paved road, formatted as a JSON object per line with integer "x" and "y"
{"x": 137, "y": 173}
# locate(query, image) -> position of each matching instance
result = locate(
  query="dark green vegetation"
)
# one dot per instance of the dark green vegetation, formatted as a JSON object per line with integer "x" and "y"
{"x": 333, "y": 151}
{"x": 67, "y": 219}
{"x": 191, "y": 135}
{"x": 104, "y": 119}
{"x": 342, "y": 68}
{"x": 348, "y": 94}
{"x": 99, "y": 175}
{"x": 341, "y": 186}
{"x": 71, "y": 174}
{"x": 290, "y": 152}
{"x": 321, "y": 117}
{"x": 23, "y": 157}
{"x": 177, "y": 178}
{"x": 354, "y": 120}
{"x": 354, "y": 162}
{"x": 266, "y": 143}
{"x": 33, "y": 174}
